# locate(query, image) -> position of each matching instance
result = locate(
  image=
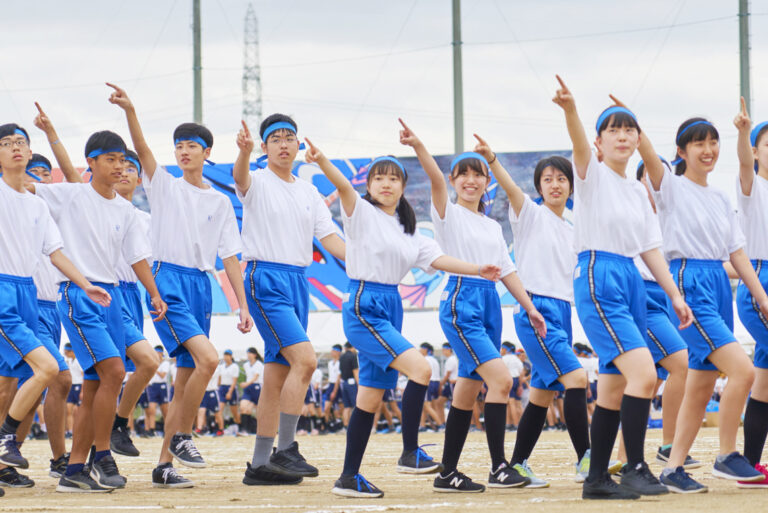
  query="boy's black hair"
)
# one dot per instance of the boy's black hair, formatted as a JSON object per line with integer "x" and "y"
{"x": 641, "y": 168}
{"x": 761, "y": 133}
{"x": 348, "y": 344}
{"x": 186, "y": 130}
{"x": 618, "y": 120}
{"x": 404, "y": 210}
{"x": 36, "y": 157}
{"x": 105, "y": 140}
{"x": 276, "y": 118}
{"x": 132, "y": 154}
{"x": 562, "y": 164}
{"x": 687, "y": 135}
{"x": 464, "y": 166}
{"x": 10, "y": 129}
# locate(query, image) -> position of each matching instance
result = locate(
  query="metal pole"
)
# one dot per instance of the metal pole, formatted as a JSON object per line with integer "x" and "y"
{"x": 458, "y": 92}
{"x": 744, "y": 52}
{"x": 197, "y": 67}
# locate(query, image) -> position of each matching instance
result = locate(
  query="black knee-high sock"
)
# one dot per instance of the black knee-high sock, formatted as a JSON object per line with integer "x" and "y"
{"x": 755, "y": 430}
{"x": 605, "y": 427}
{"x": 576, "y": 419}
{"x": 413, "y": 404}
{"x": 10, "y": 426}
{"x": 634, "y": 423}
{"x": 495, "y": 425}
{"x": 528, "y": 431}
{"x": 456, "y": 429}
{"x": 358, "y": 433}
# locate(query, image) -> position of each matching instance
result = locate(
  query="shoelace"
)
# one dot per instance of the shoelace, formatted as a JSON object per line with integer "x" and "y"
{"x": 189, "y": 446}
{"x": 11, "y": 445}
{"x": 169, "y": 472}
{"x": 108, "y": 465}
{"x": 421, "y": 455}
{"x": 360, "y": 480}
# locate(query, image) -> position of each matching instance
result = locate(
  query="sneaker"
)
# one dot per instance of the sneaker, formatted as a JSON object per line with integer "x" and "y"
{"x": 165, "y": 476}
{"x": 456, "y": 482}
{"x": 582, "y": 467}
{"x": 417, "y": 462}
{"x": 679, "y": 481}
{"x": 524, "y": 470}
{"x": 290, "y": 462}
{"x": 59, "y": 466}
{"x": 736, "y": 467}
{"x": 264, "y": 476}
{"x": 80, "y": 483}
{"x": 356, "y": 486}
{"x": 615, "y": 467}
{"x": 506, "y": 477}
{"x": 604, "y": 488}
{"x": 12, "y": 479}
{"x": 662, "y": 455}
{"x": 106, "y": 474}
{"x": 120, "y": 442}
{"x": 641, "y": 480}
{"x": 9, "y": 452}
{"x": 756, "y": 484}
{"x": 183, "y": 449}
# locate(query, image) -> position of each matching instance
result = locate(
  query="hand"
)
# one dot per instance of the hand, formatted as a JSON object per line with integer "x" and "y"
{"x": 243, "y": 385}
{"x": 617, "y": 102}
{"x": 160, "y": 308}
{"x": 538, "y": 323}
{"x": 119, "y": 98}
{"x": 98, "y": 295}
{"x": 563, "y": 97}
{"x": 407, "y": 137}
{"x": 333, "y": 395}
{"x": 313, "y": 155}
{"x": 42, "y": 122}
{"x": 246, "y": 322}
{"x": 742, "y": 121}
{"x": 229, "y": 395}
{"x": 489, "y": 272}
{"x": 244, "y": 140}
{"x": 683, "y": 312}
{"x": 483, "y": 148}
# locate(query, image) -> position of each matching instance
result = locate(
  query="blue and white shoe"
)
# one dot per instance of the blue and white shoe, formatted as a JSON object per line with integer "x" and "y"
{"x": 679, "y": 481}
{"x": 417, "y": 462}
{"x": 734, "y": 466}
{"x": 356, "y": 486}
{"x": 524, "y": 470}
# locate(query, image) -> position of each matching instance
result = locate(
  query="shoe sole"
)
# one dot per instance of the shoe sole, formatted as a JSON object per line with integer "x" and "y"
{"x": 178, "y": 485}
{"x": 55, "y": 475}
{"x": 675, "y": 489}
{"x": 424, "y": 470}
{"x": 260, "y": 482}
{"x": 343, "y": 492}
{"x": 648, "y": 493}
{"x": 95, "y": 476}
{"x": 190, "y": 464}
{"x": 689, "y": 466}
{"x": 579, "y": 478}
{"x": 285, "y": 472}
{"x": 521, "y": 484}
{"x": 748, "y": 485}
{"x": 23, "y": 464}
{"x": 75, "y": 489}
{"x": 723, "y": 475}
{"x": 123, "y": 453}
{"x": 9, "y": 485}
{"x": 455, "y": 490}
{"x": 537, "y": 485}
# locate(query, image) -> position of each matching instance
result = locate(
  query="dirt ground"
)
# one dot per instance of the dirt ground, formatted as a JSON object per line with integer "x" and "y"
{"x": 219, "y": 488}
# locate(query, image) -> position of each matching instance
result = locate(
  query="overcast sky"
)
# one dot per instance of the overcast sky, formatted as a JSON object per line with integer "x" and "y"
{"x": 347, "y": 69}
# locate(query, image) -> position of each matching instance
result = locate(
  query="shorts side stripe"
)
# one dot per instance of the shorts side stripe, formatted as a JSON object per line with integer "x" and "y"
{"x": 656, "y": 342}
{"x": 598, "y": 307}
{"x": 696, "y": 322}
{"x": 70, "y": 315}
{"x": 365, "y": 323}
{"x": 755, "y": 306}
{"x": 7, "y": 339}
{"x": 258, "y": 304}
{"x": 544, "y": 348}
{"x": 454, "y": 321}
{"x": 167, "y": 320}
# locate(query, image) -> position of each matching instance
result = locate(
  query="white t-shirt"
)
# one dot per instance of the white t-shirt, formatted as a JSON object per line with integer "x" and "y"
{"x": 172, "y": 371}
{"x": 124, "y": 270}
{"x": 213, "y": 384}
{"x": 472, "y": 237}
{"x": 98, "y": 231}
{"x": 644, "y": 271}
{"x": 333, "y": 371}
{"x": 753, "y": 214}
{"x": 591, "y": 365}
{"x": 46, "y": 279}
{"x": 433, "y": 363}
{"x": 252, "y": 369}
{"x": 190, "y": 225}
{"x": 451, "y": 368}
{"x": 543, "y": 250}
{"x": 317, "y": 379}
{"x": 287, "y": 214}
{"x": 514, "y": 364}
{"x": 379, "y": 250}
{"x": 229, "y": 372}
{"x": 697, "y": 222}
{"x": 612, "y": 213}
{"x": 27, "y": 232}
{"x": 75, "y": 370}
{"x": 164, "y": 367}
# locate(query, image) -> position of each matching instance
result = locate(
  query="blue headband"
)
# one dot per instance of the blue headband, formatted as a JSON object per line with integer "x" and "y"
{"x": 134, "y": 162}
{"x": 702, "y": 122}
{"x": 756, "y": 131}
{"x": 38, "y": 163}
{"x": 192, "y": 138}
{"x": 388, "y": 159}
{"x": 280, "y": 125}
{"x": 610, "y": 111}
{"x": 468, "y": 155}
{"x": 33, "y": 175}
{"x": 663, "y": 160}
{"x": 101, "y": 151}
{"x": 21, "y": 132}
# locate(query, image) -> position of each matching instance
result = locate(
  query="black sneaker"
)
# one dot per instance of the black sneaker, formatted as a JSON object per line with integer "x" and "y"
{"x": 662, "y": 455}
{"x": 59, "y": 466}
{"x": 679, "y": 481}
{"x": 290, "y": 462}
{"x": 120, "y": 442}
{"x": 356, "y": 486}
{"x": 456, "y": 482}
{"x": 9, "y": 452}
{"x": 80, "y": 483}
{"x": 183, "y": 449}
{"x": 641, "y": 480}
{"x": 506, "y": 477}
{"x": 417, "y": 462}
{"x": 604, "y": 488}
{"x": 106, "y": 474}
{"x": 12, "y": 479}
{"x": 165, "y": 476}
{"x": 264, "y": 476}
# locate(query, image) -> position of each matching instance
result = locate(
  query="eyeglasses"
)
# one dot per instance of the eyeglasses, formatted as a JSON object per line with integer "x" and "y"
{"x": 21, "y": 143}
{"x": 279, "y": 140}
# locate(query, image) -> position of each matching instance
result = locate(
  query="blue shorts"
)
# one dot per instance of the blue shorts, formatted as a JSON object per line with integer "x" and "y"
{"x": 157, "y": 393}
{"x": 95, "y": 332}
{"x": 143, "y": 399}
{"x": 373, "y": 319}
{"x": 751, "y": 316}
{"x": 278, "y": 298}
{"x": 389, "y": 395}
{"x": 513, "y": 391}
{"x": 327, "y": 394}
{"x": 210, "y": 401}
{"x": 187, "y": 292}
{"x": 74, "y": 394}
{"x": 447, "y": 391}
{"x": 610, "y": 301}
{"x": 593, "y": 390}
{"x": 18, "y": 319}
{"x": 348, "y": 394}
{"x": 470, "y": 315}
{"x": 131, "y": 330}
{"x": 662, "y": 337}
{"x": 550, "y": 357}
{"x": 252, "y": 393}
{"x": 223, "y": 389}
{"x": 433, "y": 391}
{"x": 312, "y": 396}
{"x": 49, "y": 330}
{"x": 705, "y": 287}
{"x": 170, "y": 394}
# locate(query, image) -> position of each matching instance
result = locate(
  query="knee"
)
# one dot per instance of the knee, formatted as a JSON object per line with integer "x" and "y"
{"x": 208, "y": 363}
{"x": 743, "y": 379}
{"x": 503, "y": 383}
{"x": 61, "y": 385}
{"x": 307, "y": 365}
{"x": 421, "y": 373}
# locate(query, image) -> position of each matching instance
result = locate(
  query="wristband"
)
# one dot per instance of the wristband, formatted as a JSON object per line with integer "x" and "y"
{"x": 492, "y": 160}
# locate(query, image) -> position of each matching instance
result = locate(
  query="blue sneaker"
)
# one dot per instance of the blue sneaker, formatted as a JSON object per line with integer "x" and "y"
{"x": 356, "y": 486}
{"x": 734, "y": 466}
{"x": 679, "y": 481}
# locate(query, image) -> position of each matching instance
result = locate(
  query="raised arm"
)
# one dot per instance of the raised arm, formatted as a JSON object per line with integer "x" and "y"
{"x": 436, "y": 178}
{"x": 241, "y": 171}
{"x": 347, "y": 193}
{"x": 514, "y": 192}
{"x": 651, "y": 161}
{"x": 744, "y": 150}
{"x": 147, "y": 159}
{"x": 43, "y": 122}
{"x": 581, "y": 148}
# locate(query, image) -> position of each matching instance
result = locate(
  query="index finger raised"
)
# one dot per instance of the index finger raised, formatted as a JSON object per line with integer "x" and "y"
{"x": 562, "y": 84}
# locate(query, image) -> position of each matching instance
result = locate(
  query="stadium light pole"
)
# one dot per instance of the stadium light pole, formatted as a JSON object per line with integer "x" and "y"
{"x": 744, "y": 52}
{"x": 197, "y": 67}
{"x": 458, "y": 89}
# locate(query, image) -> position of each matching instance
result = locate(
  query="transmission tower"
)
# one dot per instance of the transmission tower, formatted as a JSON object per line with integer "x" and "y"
{"x": 251, "y": 71}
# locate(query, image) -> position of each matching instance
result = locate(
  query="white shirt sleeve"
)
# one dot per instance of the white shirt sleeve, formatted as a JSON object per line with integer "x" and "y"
{"x": 324, "y": 225}
{"x": 589, "y": 183}
{"x": 136, "y": 245}
{"x": 230, "y": 242}
{"x": 52, "y": 237}
{"x": 652, "y": 233}
{"x": 250, "y": 195}
{"x": 737, "y": 239}
{"x": 57, "y": 196}
{"x": 429, "y": 251}
{"x": 355, "y": 223}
